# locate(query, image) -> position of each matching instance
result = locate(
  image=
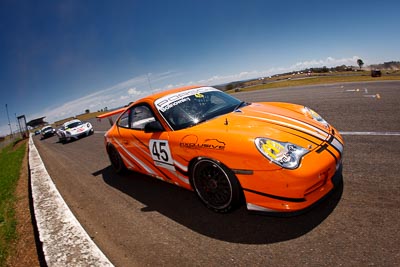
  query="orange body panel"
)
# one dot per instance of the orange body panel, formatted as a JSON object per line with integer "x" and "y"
{"x": 230, "y": 140}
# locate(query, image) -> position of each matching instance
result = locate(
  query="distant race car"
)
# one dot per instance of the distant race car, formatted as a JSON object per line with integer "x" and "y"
{"x": 74, "y": 129}
{"x": 275, "y": 157}
{"x": 47, "y": 131}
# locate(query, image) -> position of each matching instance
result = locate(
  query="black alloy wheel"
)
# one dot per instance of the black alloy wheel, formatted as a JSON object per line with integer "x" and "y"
{"x": 216, "y": 185}
{"x": 116, "y": 160}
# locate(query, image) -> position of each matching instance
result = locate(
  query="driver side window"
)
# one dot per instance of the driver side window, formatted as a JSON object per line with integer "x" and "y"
{"x": 124, "y": 120}
{"x": 140, "y": 116}
{"x": 136, "y": 117}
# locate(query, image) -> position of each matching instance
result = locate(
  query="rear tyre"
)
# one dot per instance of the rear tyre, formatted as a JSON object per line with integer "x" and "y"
{"x": 116, "y": 160}
{"x": 215, "y": 185}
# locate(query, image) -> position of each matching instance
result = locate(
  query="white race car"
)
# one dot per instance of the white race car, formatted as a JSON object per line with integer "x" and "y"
{"x": 74, "y": 129}
{"x": 47, "y": 131}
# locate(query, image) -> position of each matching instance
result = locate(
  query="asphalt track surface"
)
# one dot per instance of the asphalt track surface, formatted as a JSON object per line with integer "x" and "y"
{"x": 140, "y": 221}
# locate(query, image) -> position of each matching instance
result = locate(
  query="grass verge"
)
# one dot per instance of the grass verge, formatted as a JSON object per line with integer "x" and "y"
{"x": 318, "y": 79}
{"x": 10, "y": 165}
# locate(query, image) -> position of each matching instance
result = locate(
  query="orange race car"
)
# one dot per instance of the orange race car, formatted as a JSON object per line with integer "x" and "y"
{"x": 275, "y": 157}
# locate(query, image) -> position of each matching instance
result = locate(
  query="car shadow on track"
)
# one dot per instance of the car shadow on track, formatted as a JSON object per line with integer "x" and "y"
{"x": 239, "y": 226}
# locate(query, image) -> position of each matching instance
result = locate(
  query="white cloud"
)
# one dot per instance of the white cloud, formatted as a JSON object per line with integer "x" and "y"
{"x": 112, "y": 97}
{"x": 134, "y": 91}
{"x": 137, "y": 87}
{"x": 329, "y": 62}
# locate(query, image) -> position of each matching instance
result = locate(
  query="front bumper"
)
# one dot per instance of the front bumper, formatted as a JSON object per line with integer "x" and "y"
{"x": 280, "y": 206}
{"x": 81, "y": 134}
{"x": 47, "y": 134}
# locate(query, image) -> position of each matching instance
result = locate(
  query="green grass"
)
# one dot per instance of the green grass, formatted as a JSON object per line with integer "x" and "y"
{"x": 10, "y": 165}
{"x": 283, "y": 81}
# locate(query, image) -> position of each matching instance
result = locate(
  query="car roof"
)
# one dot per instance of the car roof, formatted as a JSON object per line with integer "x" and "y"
{"x": 155, "y": 96}
{"x": 150, "y": 98}
{"x": 71, "y": 121}
{"x": 170, "y": 91}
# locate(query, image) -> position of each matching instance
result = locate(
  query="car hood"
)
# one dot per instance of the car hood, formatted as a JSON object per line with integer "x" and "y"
{"x": 78, "y": 128}
{"x": 279, "y": 121}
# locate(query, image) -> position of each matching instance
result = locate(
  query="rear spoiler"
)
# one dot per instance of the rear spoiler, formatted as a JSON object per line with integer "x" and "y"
{"x": 111, "y": 113}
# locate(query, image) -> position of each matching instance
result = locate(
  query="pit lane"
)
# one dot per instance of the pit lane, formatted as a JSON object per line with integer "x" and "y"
{"x": 138, "y": 221}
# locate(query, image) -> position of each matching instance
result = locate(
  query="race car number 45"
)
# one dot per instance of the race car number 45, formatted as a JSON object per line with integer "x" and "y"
{"x": 161, "y": 154}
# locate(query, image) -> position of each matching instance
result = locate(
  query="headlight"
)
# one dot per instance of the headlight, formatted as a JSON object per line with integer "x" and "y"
{"x": 286, "y": 155}
{"x": 315, "y": 116}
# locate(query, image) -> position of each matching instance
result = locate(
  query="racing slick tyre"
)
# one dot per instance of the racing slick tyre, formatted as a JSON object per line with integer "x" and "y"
{"x": 116, "y": 160}
{"x": 215, "y": 185}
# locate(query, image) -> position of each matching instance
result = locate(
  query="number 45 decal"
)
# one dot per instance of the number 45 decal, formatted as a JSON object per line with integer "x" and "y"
{"x": 159, "y": 150}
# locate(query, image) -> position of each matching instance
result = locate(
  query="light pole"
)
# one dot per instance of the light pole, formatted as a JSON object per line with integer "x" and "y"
{"x": 148, "y": 79}
{"x": 8, "y": 117}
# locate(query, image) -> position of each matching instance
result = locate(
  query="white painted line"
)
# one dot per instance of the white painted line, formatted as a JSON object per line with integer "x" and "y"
{"x": 65, "y": 242}
{"x": 371, "y": 133}
{"x": 374, "y": 96}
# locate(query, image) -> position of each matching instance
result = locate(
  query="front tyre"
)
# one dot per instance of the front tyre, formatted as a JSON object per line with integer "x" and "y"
{"x": 116, "y": 160}
{"x": 215, "y": 185}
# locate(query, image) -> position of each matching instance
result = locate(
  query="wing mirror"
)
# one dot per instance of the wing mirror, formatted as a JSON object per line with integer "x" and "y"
{"x": 153, "y": 127}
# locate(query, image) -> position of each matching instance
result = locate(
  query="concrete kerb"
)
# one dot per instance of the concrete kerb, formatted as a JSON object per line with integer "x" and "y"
{"x": 64, "y": 241}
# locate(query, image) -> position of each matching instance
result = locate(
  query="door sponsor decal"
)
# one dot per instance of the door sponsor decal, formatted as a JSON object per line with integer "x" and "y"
{"x": 192, "y": 141}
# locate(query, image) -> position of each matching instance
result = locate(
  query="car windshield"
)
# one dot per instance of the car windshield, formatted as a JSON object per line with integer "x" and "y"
{"x": 74, "y": 124}
{"x": 191, "y": 107}
{"x": 47, "y": 128}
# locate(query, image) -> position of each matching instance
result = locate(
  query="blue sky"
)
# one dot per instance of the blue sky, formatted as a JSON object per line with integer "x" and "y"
{"x": 58, "y": 58}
